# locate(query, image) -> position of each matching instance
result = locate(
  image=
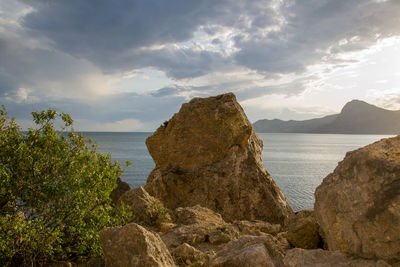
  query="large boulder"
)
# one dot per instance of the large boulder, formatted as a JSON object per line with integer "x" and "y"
{"x": 322, "y": 258}
{"x": 358, "y": 205}
{"x": 209, "y": 154}
{"x": 133, "y": 245}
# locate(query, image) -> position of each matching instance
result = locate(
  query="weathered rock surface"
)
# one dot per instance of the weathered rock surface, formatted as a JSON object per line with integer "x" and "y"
{"x": 121, "y": 188}
{"x": 322, "y": 258}
{"x": 209, "y": 154}
{"x": 257, "y": 227}
{"x": 133, "y": 245}
{"x": 199, "y": 226}
{"x": 186, "y": 255}
{"x": 254, "y": 251}
{"x": 303, "y": 230}
{"x": 146, "y": 210}
{"x": 197, "y": 214}
{"x": 358, "y": 205}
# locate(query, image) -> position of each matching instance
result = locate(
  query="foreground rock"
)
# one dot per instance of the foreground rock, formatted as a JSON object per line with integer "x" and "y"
{"x": 146, "y": 210}
{"x": 199, "y": 227}
{"x": 255, "y": 251}
{"x": 322, "y": 258}
{"x": 133, "y": 245}
{"x": 209, "y": 154}
{"x": 358, "y": 205}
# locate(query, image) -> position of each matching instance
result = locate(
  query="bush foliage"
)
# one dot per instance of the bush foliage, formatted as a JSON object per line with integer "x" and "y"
{"x": 54, "y": 192}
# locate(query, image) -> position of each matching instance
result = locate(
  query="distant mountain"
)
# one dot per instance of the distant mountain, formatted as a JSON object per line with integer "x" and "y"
{"x": 356, "y": 117}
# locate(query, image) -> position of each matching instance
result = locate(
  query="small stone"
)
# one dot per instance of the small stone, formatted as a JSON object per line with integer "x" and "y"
{"x": 166, "y": 226}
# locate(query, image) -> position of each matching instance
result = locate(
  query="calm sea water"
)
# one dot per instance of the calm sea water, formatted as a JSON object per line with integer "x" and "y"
{"x": 297, "y": 162}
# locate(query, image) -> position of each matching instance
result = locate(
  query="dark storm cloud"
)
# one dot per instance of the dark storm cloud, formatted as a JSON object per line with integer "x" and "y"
{"x": 113, "y": 34}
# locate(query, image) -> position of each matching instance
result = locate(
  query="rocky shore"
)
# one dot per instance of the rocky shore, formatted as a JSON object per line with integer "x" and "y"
{"x": 210, "y": 202}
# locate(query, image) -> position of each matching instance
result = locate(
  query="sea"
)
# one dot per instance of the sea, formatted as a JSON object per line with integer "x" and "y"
{"x": 297, "y": 162}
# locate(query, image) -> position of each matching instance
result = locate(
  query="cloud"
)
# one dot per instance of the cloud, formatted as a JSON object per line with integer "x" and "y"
{"x": 318, "y": 30}
{"x": 138, "y": 34}
{"x": 269, "y": 36}
{"x": 47, "y": 72}
{"x": 75, "y": 55}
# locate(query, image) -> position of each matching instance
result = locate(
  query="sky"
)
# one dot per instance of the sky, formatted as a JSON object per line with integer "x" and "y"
{"x": 128, "y": 65}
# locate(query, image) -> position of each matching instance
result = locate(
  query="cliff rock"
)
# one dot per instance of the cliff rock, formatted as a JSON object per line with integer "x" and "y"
{"x": 209, "y": 154}
{"x": 133, "y": 245}
{"x": 358, "y": 205}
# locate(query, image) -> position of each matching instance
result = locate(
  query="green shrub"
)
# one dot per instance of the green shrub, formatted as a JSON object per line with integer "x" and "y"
{"x": 54, "y": 192}
{"x": 158, "y": 212}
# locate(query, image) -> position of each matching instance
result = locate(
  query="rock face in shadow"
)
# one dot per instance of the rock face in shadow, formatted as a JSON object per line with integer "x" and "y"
{"x": 358, "y": 205}
{"x": 121, "y": 188}
{"x": 209, "y": 154}
{"x": 303, "y": 230}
